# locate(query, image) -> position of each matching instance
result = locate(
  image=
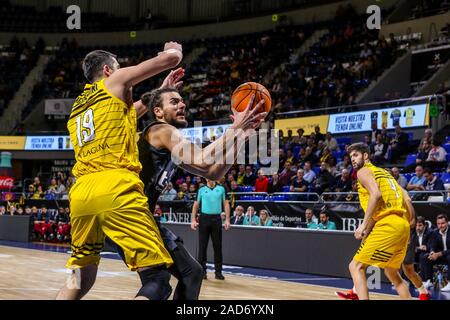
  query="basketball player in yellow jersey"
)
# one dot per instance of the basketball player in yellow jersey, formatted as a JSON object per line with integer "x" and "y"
{"x": 385, "y": 228}
{"x": 108, "y": 196}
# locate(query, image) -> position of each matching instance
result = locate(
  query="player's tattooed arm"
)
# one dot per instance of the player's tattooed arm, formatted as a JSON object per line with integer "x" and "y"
{"x": 367, "y": 179}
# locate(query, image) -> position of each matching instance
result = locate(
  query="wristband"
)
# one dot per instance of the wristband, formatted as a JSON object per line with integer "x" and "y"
{"x": 177, "y": 52}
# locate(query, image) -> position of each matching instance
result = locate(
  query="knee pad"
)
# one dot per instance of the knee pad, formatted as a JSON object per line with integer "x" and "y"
{"x": 155, "y": 283}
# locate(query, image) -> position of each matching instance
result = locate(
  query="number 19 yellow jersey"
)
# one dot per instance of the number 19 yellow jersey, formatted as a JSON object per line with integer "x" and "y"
{"x": 103, "y": 132}
{"x": 391, "y": 201}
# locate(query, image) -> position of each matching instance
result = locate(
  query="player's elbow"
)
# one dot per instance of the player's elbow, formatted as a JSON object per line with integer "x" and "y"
{"x": 375, "y": 195}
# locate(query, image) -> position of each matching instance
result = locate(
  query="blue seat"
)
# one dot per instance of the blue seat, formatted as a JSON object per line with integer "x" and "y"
{"x": 286, "y": 188}
{"x": 447, "y": 139}
{"x": 448, "y": 157}
{"x": 446, "y": 177}
{"x": 410, "y": 136}
{"x": 410, "y": 159}
{"x": 344, "y": 140}
{"x": 446, "y": 147}
{"x": 279, "y": 197}
{"x": 296, "y": 150}
{"x": 408, "y": 176}
{"x": 316, "y": 170}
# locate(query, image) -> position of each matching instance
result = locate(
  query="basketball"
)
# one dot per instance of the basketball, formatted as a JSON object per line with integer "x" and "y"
{"x": 242, "y": 95}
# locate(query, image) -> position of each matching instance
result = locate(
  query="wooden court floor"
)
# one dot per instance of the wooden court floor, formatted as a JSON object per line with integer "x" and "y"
{"x": 27, "y": 274}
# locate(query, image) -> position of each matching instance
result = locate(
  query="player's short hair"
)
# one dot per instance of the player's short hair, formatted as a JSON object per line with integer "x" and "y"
{"x": 154, "y": 99}
{"x": 94, "y": 61}
{"x": 359, "y": 147}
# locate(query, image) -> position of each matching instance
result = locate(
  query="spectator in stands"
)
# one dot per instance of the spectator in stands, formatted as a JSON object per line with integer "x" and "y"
{"x": 238, "y": 217}
{"x": 428, "y": 136}
{"x": 325, "y": 222}
{"x": 344, "y": 164}
{"x": 399, "y": 144}
{"x": 374, "y": 134}
{"x": 432, "y": 183}
{"x": 439, "y": 251}
{"x": 420, "y": 238}
{"x": 318, "y": 135}
{"x": 282, "y": 156}
{"x": 309, "y": 156}
{"x": 291, "y": 157}
{"x": 169, "y": 193}
{"x": 251, "y": 219}
{"x": 298, "y": 138}
{"x": 249, "y": 178}
{"x": 286, "y": 175}
{"x": 36, "y": 182}
{"x": 416, "y": 181}
{"x": 12, "y": 210}
{"x": 422, "y": 156}
{"x": 331, "y": 142}
{"x": 60, "y": 189}
{"x": 264, "y": 218}
{"x": 262, "y": 182}
{"x": 39, "y": 193}
{"x": 299, "y": 184}
{"x": 344, "y": 184}
{"x": 401, "y": 180}
{"x": 184, "y": 188}
{"x": 309, "y": 174}
{"x": 2, "y": 210}
{"x": 234, "y": 186}
{"x": 28, "y": 211}
{"x": 365, "y": 52}
{"x": 30, "y": 192}
{"x": 275, "y": 185}
{"x": 325, "y": 180}
{"x": 329, "y": 159}
{"x": 378, "y": 150}
{"x": 319, "y": 150}
{"x": 20, "y": 211}
{"x": 192, "y": 194}
{"x": 241, "y": 175}
{"x": 436, "y": 157}
{"x": 310, "y": 219}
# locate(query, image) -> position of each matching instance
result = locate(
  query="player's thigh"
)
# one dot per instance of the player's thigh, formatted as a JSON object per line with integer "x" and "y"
{"x": 131, "y": 227}
{"x": 87, "y": 241}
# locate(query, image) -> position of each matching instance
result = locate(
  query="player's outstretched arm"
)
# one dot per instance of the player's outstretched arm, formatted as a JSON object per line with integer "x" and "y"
{"x": 213, "y": 161}
{"x": 123, "y": 79}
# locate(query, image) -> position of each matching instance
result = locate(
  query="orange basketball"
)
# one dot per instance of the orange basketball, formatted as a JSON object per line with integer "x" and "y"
{"x": 242, "y": 95}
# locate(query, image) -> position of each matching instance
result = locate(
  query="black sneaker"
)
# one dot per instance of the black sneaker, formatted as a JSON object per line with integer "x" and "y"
{"x": 219, "y": 276}
{"x": 205, "y": 276}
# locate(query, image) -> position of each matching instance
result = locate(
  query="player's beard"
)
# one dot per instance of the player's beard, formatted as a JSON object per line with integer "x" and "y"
{"x": 179, "y": 124}
{"x": 359, "y": 164}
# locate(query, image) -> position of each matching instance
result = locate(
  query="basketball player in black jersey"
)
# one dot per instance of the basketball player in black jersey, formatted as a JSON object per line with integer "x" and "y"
{"x": 159, "y": 145}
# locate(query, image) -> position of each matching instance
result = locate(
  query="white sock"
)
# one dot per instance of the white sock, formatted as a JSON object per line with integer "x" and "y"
{"x": 422, "y": 290}
{"x": 354, "y": 290}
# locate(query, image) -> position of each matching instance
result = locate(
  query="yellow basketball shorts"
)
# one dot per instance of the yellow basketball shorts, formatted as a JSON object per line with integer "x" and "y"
{"x": 113, "y": 203}
{"x": 386, "y": 245}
